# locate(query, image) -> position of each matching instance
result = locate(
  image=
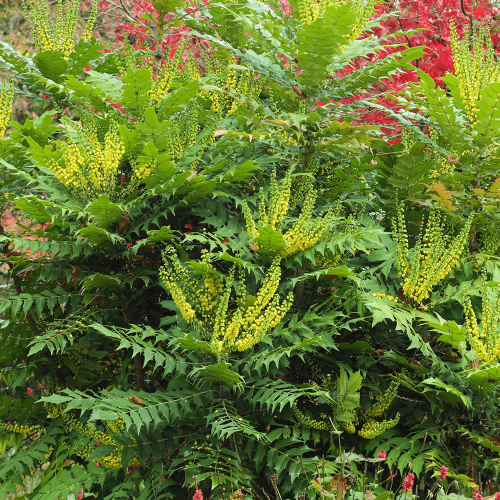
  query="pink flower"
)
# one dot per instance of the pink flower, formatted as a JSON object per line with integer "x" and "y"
{"x": 198, "y": 495}
{"x": 408, "y": 482}
{"x": 98, "y": 442}
{"x": 443, "y": 472}
{"x": 477, "y": 496}
{"x": 79, "y": 496}
{"x": 30, "y": 391}
{"x": 497, "y": 496}
{"x": 381, "y": 454}
{"x": 97, "y": 464}
{"x": 66, "y": 462}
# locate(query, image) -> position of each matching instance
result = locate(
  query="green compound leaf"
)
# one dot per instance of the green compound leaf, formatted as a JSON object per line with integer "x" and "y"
{"x": 84, "y": 52}
{"x": 35, "y": 208}
{"x": 166, "y": 6}
{"x": 220, "y": 373}
{"x": 105, "y": 212}
{"x": 162, "y": 234}
{"x": 192, "y": 344}
{"x": 135, "y": 91}
{"x": 99, "y": 280}
{"x": 102, "y": 450}
{"x": 270, "y": 240}
{"x": 321, "y": 40}
{"x": 445, "y": 392}
{"x": 94, "y": 234}
{"x": 52, "y": 65}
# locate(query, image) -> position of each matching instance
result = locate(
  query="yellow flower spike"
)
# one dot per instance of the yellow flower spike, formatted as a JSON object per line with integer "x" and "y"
{"x": 90, "y": 168}
{"x": 6, "y": 101}
{"x": 227, "y": 328}
{"x": 306, "y": 231}
{"x": 474, "y": 67}
{"x": 484, "y": 338}
{"x": 60, "y": 35}
{"x": 434, "y": 255}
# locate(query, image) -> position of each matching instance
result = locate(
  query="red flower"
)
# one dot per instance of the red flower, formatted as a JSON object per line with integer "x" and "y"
{"x": 381, "y": 454}
{"x": 477, "y": 496}
{"x": 87, "y": 68}
{"x": 198, "y": 495}
{"x": 408, "y": 482}
{"x": 497, "y": 496}
{"x": 443, "y": 472}
{"x": 30, "y": 391}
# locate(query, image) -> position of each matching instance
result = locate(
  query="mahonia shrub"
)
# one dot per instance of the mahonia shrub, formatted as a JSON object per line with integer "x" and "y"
{"x": 203, "y": 294}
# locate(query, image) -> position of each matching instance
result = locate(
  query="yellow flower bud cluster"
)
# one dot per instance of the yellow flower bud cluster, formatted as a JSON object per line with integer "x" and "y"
{"x": 384, "y": 296}
{"x": 231, "y": 82}
{"x": 447, "y": 164}
{"x": 491, "y": 240}
{"x": 145, "y": 169}
{"x": 349, "y": 427}
{"x": 55, "y": 410}
{"x": 6, "y": 100}
{"x": 34, "y": 430}
{"x": 306, "y": 231}
{"x": 400, "y": 239}
{"x": 475, "y": 67}
{"x": 175, "y": 289}
{"x": 58, "y": 36}
{"x": 236, "y": 87}
{"x": 433, "y": 257}
{"x": 100, "y": 438}
{"x": 193, "y": 296}
{"x": 191, "y": 68}
{"x": 407, "y": 139}
{"x": 372, "y": 428}
{"x": 484, "y": 338}
{"x": 377, "y": 410}
{"x": 205, "y": 303}
{"x": 285, "y": 137}
{"x": 249, "y": 323}
{"x": 90, "y": 169}
{"x": 329, "y": 261}
{"x": 311, "y": 423}
{"x": 70, "y": 173}
{"x": 310, "y": 10}
{"x": 183, "y": 134}
{"x": 364, "y": 10}
{"x": 246, "y": 86}
{"x": 163, "y": 82}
